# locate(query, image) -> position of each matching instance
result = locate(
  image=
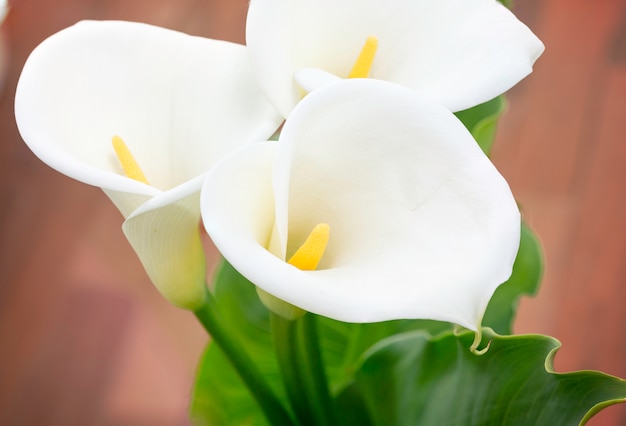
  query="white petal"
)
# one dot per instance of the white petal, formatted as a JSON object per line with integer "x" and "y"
{"x": 239, "y": 193}
{"x": 127, "y": 202}
{"x": 237, "y": 207}
{"x": 165, "y": 234}
{"x": 179, "y": 102}
{"x": 422, "y": 224}
{"x": 460, "y": 52}
{"x": 310, "y": 79}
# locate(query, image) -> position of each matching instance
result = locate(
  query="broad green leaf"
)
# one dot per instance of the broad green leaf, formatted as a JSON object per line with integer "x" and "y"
{"x": 220, "y": 397}
{"x": 343, "y": 344}
{"x": 413, "y": 379}
{"x": 481, "y": 121}
{"x": 525, "y": 280}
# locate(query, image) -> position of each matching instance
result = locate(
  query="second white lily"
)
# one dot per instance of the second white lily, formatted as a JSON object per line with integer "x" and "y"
{"x": 418, "y": 221}
{"x": 180, "y": 103}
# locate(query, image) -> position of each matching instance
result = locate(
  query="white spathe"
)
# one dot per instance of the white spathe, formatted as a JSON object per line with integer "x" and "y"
{"x": 458, "y": 52}
{"x": 422, "y": 225}
{"x": 181, "y": 103}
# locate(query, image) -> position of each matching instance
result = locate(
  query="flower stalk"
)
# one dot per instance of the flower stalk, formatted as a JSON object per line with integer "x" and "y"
{"x": 210, "y": 318}
{"x": 302, "y": 369}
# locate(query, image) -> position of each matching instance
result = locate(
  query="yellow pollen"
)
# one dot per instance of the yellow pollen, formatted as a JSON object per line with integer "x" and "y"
{"x": 130, "y": 166}
{"x": 363, "y": 64}
{"x": 308, "y": 256}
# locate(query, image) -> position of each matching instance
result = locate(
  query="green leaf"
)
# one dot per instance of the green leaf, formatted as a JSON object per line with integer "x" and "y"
{"x": 220, "y": 397}
{"x": 524, "y": 280}
{"x": 415, "y": 379}
{"x": 408, "y": 378}
{"x": 343, "y": 344}
{"x": 481, "y": 121}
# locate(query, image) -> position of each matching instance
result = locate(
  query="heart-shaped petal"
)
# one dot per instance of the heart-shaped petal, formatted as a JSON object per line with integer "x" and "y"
{"x": 422, "y": 225}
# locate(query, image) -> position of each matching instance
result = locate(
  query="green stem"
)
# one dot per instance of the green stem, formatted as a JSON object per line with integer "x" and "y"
{"x": 302, "y": 369}
{"x": 210, "y": 318}
{"x": 319, "y": 393}
{"x": 285, "y": 336}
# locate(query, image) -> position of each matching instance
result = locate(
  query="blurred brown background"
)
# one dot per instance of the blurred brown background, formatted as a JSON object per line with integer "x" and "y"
{"x": 86, "y": 340}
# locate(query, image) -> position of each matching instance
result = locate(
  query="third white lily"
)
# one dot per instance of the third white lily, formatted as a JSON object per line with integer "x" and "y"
{"x": 458, "y": 52}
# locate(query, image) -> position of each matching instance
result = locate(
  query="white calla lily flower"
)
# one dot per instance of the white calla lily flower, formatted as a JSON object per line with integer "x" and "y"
{"x": 458, "y": 52}
{"x": 421, "y": 224}
{"x": 180, "y": 102}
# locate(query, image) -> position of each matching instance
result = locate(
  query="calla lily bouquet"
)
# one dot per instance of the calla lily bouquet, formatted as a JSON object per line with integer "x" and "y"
{"x": 373, "y": 256}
